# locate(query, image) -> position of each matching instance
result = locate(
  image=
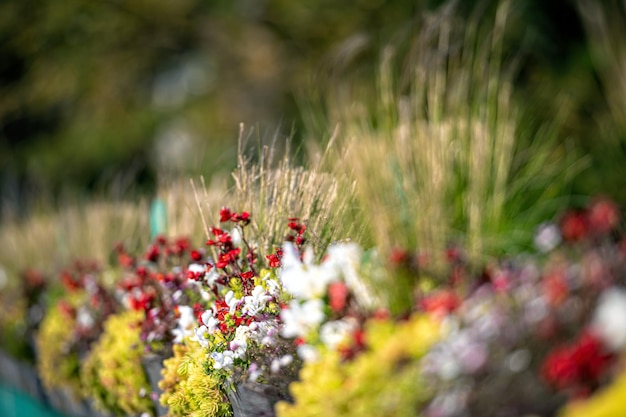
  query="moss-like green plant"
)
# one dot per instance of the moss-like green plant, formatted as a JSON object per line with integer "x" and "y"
{"x": 112, "y": 374}
{"x": 188, "y": 386}
{"x": 57, "y": 362}
{"x": 383, "y": 381}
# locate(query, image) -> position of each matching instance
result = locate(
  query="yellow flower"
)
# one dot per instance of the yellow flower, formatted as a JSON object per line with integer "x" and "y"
{"x": 384, "y": 380}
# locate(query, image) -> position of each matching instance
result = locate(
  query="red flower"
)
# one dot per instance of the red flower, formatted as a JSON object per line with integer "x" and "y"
{"x": 441, "y": 303}
{"x": 225, "y": 239}
{"x": 153, "y": 253}
{"x": 559, "y": 368}
{"x": 574, "y": 226}
{"x": 398, "y": 256}
{"x": 274, "y": 260}
{"x": 603, "y": 216}
{"x": 338, "y": 294}
{"x": 247, "y": 275}
{"x": 577, "y": 367}
{"x": 225, "y": 214}
{"x": 196, "y": 255}
{"x": 216, "y": 231}
{"x": 70, "y": 283}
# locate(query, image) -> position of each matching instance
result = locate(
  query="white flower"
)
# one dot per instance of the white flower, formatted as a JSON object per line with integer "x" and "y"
{"x": 235, "y": 235}
{"x": 211, "y": 277}
{"x": 303, "y": 279}
{"x": 273, "y": 287}
{"x": 609, "y": 321}
{"x": 333, "y": 333}
{"x": 254, "y": 372}
{"x": 281, "y": 362}
{"x": 186, "y": 323}
{"x": 222, "y": 360}
{"x": 186, "y": 319}
{"x": 210, "y": 321}
{"x": 344, "y": 259}
{"x": 547, "y": 237}
{"x": 255, "y": 303}
{"x": 264, "y": 332}
{"x": 231, "y": 301}
{"x": 299, "y": 319}
{"x": 84, "y": 318}
{"x": 200, "y": 336}
{"x": 308, "y": 353}
{"x": 239, "y": 344}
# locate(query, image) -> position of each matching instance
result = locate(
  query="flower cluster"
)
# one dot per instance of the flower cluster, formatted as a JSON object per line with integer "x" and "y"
{"x": 244, "y": 302}
{"x": 553, "y": 327}
{"x": 73, "y": 324}
{"x": 330, "y": 302}
{"x": 314, "y": 334}
{"x": 162, "y": 284}
{"x": 237, "y": 326}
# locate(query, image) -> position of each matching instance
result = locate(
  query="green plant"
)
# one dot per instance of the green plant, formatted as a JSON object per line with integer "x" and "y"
{"x": 439, "y": 150}
{"x": 275, "y": 189}
{"x": 189, "y": 387}
{"x": 57, "y": 362}
{"x": 382, "y": 381}
{"x": 112, "y": 374}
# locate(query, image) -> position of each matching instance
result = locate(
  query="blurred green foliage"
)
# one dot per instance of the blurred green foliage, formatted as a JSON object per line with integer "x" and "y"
{"x": 97, "y": 91}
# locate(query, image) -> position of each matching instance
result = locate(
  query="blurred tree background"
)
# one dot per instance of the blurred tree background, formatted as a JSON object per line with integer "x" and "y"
{"x": 95, "y": 92}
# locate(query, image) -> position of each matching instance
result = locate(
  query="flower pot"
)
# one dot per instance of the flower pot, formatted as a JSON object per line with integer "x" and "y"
{"x": 251, "y": 399}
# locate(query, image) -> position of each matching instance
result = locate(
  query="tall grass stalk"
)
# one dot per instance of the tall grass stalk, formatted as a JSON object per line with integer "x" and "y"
{"x": 606, "y": 26}
{"x": 275, "y": 189}
{"x": 50, "y": 240}
{"x": 442, "y": 156}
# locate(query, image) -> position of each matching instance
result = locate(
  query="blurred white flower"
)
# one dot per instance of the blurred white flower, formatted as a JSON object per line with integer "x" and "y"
{"x": 304, "y": 280}
{"x": 609, "y": 321}
{"x": 333, "y": 333}
{"x": 185, "y": 324}
{"x": 299, "y": 319}
{"x": 308, "y": 353}
{"x": 235, "y": 235}
{"x": 278, "y": 363}
{"x": 547, "y": 237}
{"x": 84, "y": 318}
{"x": 344, "y": 259}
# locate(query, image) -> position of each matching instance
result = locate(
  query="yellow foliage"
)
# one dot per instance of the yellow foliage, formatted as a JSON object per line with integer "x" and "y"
{"x": 113, "y": 374}
{"x": 608, "y": 402}
{"x": 57, "y": 364}
{"x": 188, "y": 386}
{"x": 384, "y": 381}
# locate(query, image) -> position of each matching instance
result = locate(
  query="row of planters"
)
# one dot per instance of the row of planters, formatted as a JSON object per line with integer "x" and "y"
{"x": 223, "y": 330}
